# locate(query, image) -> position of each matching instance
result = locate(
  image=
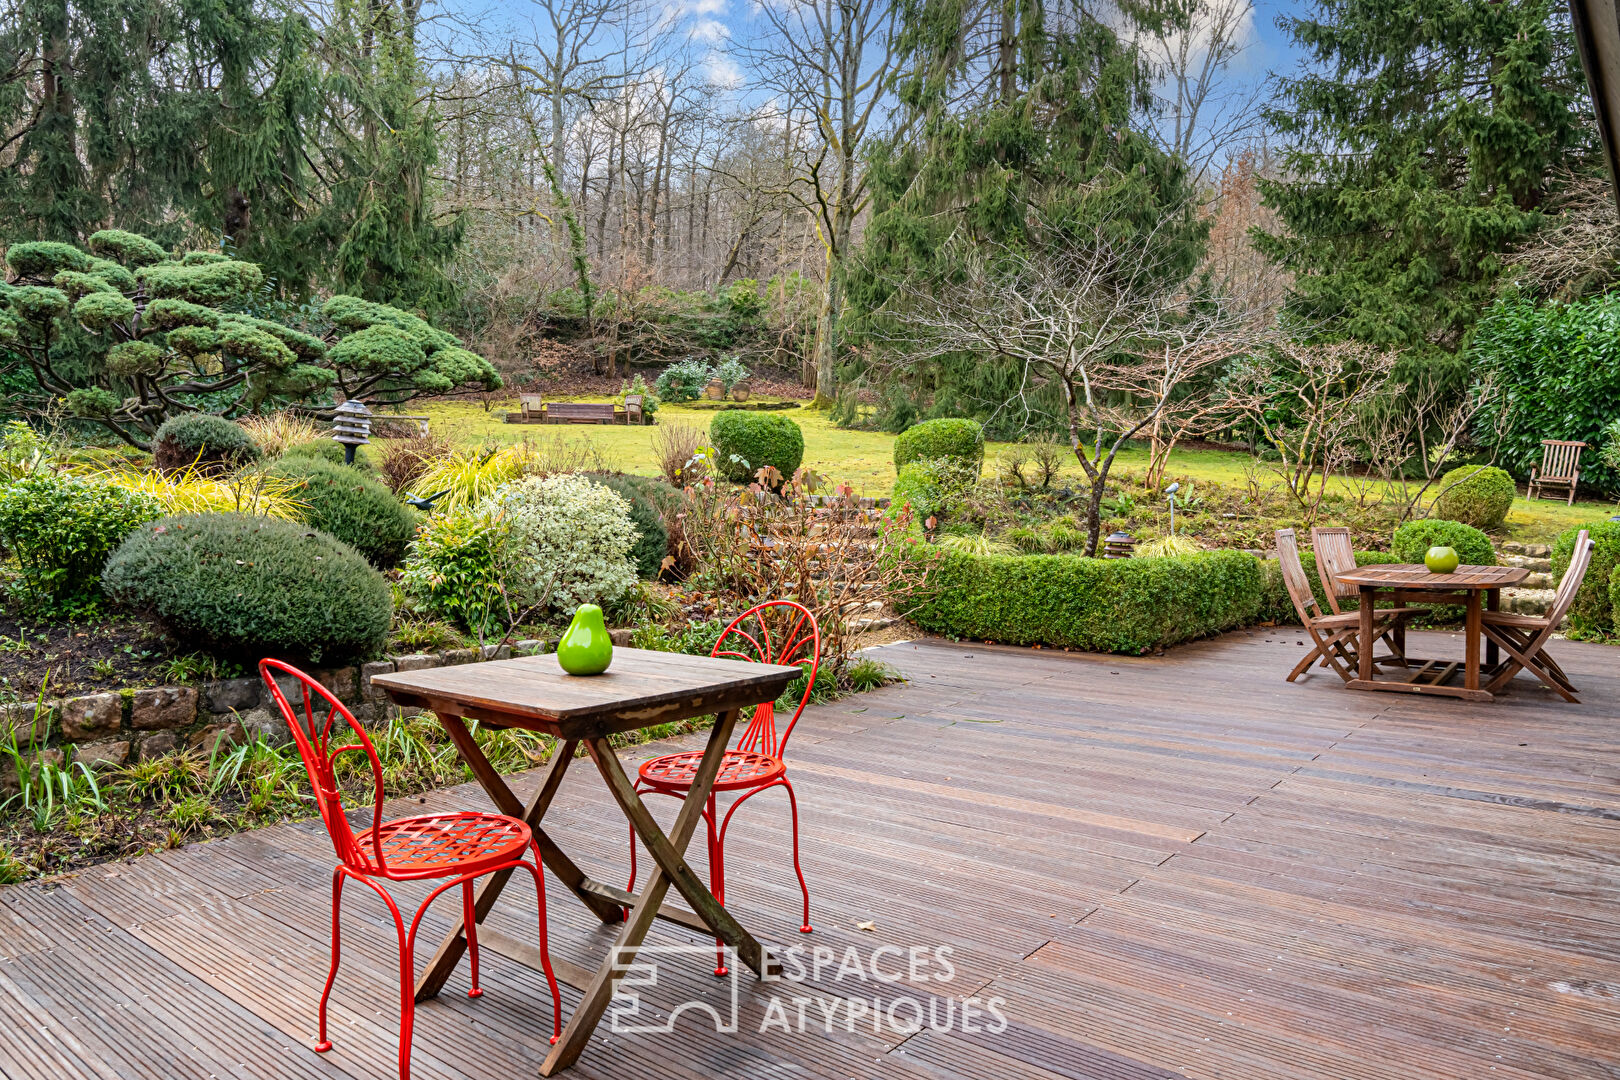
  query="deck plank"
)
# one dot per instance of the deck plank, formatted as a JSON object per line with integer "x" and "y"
{"x": 1174, "y": 866}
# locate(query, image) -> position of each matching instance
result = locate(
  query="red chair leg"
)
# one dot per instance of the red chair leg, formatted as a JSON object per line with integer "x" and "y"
{"x": 325, "y": 1044}
{"x": 545, "y": 949}
{"x": 793, "y": 806}
{"x": 469, "y": 920}
{"x": 630, "y": 886}
{"x": 717, "y": 879}
{"x": 407, "y": 976}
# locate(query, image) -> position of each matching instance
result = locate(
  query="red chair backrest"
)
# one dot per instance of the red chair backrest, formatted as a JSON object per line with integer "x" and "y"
{"x": 315, "y": 738}
{"x": 758, "y": 635}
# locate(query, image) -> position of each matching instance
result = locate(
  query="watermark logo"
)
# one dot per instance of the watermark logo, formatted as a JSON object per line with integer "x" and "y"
{"x": 888, "y": 989}
{"x": 636, "y": 970}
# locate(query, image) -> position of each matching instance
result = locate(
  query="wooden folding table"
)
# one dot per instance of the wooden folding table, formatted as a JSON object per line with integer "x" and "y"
{"x": 1410, "y": 583}
{"x": 640, "y": 690}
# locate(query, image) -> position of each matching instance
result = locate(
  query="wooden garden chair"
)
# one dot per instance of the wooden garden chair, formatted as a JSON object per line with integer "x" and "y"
{"x": 633, "y": 413}
{"x": 534, "y": 407}
{"x": 1525, "y": 637}
{"x": 1333, "y": 637}
{"x": 1560, "y": 468}
{"x": 1335, "y": 555}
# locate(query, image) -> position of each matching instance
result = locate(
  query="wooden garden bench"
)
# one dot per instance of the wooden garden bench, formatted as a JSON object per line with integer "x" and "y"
{"x": 581, "y": 412}
{"x": 1560, "y": 468}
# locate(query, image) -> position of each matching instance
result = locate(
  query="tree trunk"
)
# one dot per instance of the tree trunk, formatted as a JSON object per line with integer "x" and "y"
{"x": 826, "y": 353}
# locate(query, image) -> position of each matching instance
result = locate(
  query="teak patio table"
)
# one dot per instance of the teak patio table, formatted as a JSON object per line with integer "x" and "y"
{"x": 1410, "y": 583}
{"x": 640, "y": 690}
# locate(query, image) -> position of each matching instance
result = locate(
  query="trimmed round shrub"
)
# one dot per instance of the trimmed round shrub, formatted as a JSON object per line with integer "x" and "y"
{"x": 932, "y": 486}
{"x": 1593, "y": 611}
{"x": 1477, "y": 495}
{"x": 959, "y": 440}
{"x": 352, "y": 507}
{"x": 745, "y": 442}
{"x": 61, "y": 530}
{"x": 327, "y": 450}
{"x": 250, "y": 587}
{"x": 214, "y": 443}
{"x": 648, "y": 497}
{"x": 1614, "y": 594}
{"x": 1413, "y": 540}
{"x": 569, "y": 543}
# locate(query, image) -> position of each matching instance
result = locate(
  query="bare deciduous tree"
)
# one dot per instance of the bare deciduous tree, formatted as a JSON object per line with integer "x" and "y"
{"x": 1104, "y": 318}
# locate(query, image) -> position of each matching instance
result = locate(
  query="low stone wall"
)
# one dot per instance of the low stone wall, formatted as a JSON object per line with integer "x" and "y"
{"x": 116, "y": 727}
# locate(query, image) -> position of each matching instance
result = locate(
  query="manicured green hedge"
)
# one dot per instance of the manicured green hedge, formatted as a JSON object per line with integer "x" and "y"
{"x": 1593, "y": 611}
{"x": 1614, "y": 593}
{"x": 1414, "y": 539}
{"x": 958, "y": 440}
{"x": 1477, "y": 495}
{"x": 746, "y": 441}
{"x": 1105, "y": 605}
{"x": 649, "y": 498}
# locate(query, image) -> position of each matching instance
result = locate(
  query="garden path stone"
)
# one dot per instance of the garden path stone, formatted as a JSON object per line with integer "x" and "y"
{"x": 266, "y": 724}
{"x": 209, "y": 737}
{"x": 416, "y": 662}
{"x": 26, "y": 722}
{"x": 91, "y": 715}
{"x": 100, "y": 755}
{"x": 228, "y": 694}
{"x": 454, "y": 657}
{"x": 163, "y": 707}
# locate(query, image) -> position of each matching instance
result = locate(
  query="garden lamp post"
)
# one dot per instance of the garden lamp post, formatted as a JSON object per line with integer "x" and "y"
{"x": 351, "y": 426}
{"x": 1171, "y": 492}
{"x": 1119, "y": 545}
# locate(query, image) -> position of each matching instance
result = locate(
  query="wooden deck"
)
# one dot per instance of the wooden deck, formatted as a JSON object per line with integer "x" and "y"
{"x": 1170, "y": 866}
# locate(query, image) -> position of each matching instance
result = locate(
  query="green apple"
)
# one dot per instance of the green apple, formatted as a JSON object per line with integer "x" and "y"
{"x": 1441, "y": 560}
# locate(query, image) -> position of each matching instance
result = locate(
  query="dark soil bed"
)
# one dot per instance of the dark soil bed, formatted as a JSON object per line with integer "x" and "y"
{"x": 86, "y": 657}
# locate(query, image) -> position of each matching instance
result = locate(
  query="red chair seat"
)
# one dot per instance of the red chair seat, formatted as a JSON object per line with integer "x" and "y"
{"x": 440, "y": 845}
{"x": 738, "y": 769}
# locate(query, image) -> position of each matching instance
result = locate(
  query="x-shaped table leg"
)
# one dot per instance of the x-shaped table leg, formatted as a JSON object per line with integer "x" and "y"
{"x": 607, "y": 902}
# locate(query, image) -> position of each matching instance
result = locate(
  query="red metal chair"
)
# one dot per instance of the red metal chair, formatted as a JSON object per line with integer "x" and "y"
{"x": 756, "y": 764}
{"x": 460, "y": 846}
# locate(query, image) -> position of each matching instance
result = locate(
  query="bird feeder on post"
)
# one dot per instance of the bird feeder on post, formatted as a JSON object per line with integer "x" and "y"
{"x": 351, "y": 426}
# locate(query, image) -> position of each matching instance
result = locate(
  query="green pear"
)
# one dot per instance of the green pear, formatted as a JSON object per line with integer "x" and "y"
{"x": 586, "y": 648}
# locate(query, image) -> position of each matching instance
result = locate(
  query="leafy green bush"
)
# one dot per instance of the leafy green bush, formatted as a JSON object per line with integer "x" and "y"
{"x": 1557, "y": 368}
{"x": 1414, "y": 539}
{"x": 1477, "y": 495}
{"x": 684, "y": 380}
{"x": 569, "y": 543}
{"x": 213, "y": 442}
{"x": 1593, "y": 611}
{"x": 745, "y": 442}
{"x": 328, "y": 450}
{"x": 730, "y": 371}
{"x": 453, "y": 569}
{"x": 1106, "y": 605}
{"x": 1614, "y": 594}
{"x": 249, "y": 587}
{"x": 1276, "y": 605}
{"x": 352, "y": 507}
{"x": 61, "y": 531}
{"x": 934, "y": 485}
{"x": 1609, "y": 453}
{"x": 960, "y": 440}
{"x": 649, "y": 499}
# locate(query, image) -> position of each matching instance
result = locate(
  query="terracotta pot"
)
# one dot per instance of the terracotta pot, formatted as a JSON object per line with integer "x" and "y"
{"x": 716, "y": 390}
{"x": 739, "y": 392}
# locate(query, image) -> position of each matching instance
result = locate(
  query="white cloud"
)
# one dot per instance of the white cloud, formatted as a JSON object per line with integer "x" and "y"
{"x": 723, "y": 72}
{"x": 712, "y": 31}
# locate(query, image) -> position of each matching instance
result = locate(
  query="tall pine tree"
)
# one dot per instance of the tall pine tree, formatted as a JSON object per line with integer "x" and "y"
{"x": 1421, "y": 142}
{"x": 1022, "y": 110}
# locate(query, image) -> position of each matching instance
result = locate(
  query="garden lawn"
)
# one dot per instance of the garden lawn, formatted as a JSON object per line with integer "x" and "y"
{"x": 865, "y": 459}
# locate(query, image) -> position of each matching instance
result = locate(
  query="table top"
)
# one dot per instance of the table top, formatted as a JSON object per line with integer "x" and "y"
{"x": 641, "y": 688}
{"x": 1417, "y": 576}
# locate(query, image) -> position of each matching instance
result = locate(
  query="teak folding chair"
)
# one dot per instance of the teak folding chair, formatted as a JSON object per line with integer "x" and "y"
{"x": 533, "y": 406}
{"x": 1525, "y": 637}
{"x": 1335, "y": 555}
{"x": 1560, "y": 468}
{"x": 1333, "y": 637}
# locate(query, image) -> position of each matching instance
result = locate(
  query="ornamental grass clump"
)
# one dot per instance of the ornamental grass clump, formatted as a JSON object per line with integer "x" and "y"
{"x": 249, "y": 587}
{"x": 569, "y": 543}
